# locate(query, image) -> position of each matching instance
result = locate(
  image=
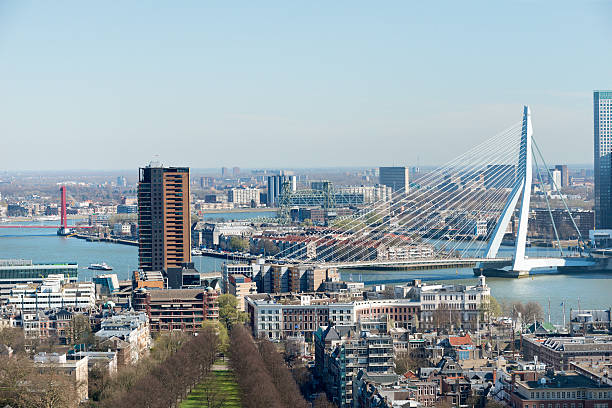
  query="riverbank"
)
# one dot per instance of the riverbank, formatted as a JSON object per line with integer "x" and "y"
{"x": 91, "y": 238}
{"x": 239, "y": 210}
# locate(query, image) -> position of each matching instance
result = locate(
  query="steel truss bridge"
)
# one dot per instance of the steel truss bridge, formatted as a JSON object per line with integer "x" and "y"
{"x": 457, "y": 217}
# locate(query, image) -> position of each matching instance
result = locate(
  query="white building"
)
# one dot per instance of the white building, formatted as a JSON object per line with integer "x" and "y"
{"x": 245, "y": 197}
{"x": 53, "y": 292}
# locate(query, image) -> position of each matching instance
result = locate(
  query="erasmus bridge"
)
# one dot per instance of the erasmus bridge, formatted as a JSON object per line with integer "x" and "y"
{"x": 453, "y": 216}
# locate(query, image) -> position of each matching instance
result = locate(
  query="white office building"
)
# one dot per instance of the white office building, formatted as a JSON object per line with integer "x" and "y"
{"x": 53, "y": 292}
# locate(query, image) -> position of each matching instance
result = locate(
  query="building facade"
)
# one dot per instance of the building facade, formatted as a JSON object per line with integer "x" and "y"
{"x": 163, "y": 218}
{"x": 398, "y": 178}
{"x": 602, "y": 117}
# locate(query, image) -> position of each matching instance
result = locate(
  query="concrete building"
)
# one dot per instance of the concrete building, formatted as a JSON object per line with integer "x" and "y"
{"x": 602, "y": 118}
{"x": 241, "y": 286}
{"x": 164, "y": 223}
{"x": 244, "y": 197}
{"x": 342, "y": 351}
{"x": 583, "y": 322}
{"x": 131, "y": 328}
{"x": 76, "y": 370}
{"x": 276, "y": 184}
{"x": 562, "y": 389}
{"x": 398, "y": 178}
{"x": 53, "y": 293}
{"x": 559, "y": 352}
{"x": 565, "y": 179}
{"x": 177, "y": 309}
{"x": 460, "y": 304}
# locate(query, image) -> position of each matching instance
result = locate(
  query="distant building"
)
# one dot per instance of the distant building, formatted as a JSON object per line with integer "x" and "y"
{"x": 555, "y": 179}
{"x": 276, "y": 184}
{"x": 584, "y": 322}
{"x": 127, "y": 209}
{"x": 565, "y": 179}
{"x": 236, "y": 172}
{"x": 164, "y": 224}
{"x": 602, "y": 116}
{"x": 398, "y": 178}
{"x": 244, "y": 197}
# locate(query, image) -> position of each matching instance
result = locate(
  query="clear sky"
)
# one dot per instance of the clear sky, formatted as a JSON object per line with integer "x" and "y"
{"x": 112, "y": 84}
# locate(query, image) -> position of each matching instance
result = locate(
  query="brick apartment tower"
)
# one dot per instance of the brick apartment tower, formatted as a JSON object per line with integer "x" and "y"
{"x": 163, "y": 218}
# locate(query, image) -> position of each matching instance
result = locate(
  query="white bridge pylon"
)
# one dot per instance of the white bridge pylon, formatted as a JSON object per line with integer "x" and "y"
{"x": 522, "y": 264}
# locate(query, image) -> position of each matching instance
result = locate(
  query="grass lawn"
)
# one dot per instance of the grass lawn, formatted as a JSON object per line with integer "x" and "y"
{"x": 228, "y": 389}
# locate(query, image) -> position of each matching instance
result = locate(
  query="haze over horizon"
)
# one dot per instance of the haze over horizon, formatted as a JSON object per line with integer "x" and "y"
{"x": 346, "y": 84}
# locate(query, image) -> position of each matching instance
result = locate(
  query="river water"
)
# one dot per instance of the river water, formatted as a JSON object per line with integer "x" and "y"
{"x": 588, "y": 290}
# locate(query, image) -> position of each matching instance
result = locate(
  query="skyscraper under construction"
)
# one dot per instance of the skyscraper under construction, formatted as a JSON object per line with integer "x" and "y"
{"x": 163, "y": 218}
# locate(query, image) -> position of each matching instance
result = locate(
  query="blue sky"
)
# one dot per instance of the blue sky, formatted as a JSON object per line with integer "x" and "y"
{"x": 110, "y": 85}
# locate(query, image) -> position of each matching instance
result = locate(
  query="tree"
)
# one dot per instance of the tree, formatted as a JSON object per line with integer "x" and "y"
{"x": 237, "y": 243}
{"x": 490, "y": 308}
{"x": 13, "y": 337}
{"x": 221, "y": 331}
{"x": 229, "y": 314}
{"x": 80, "y": 330}
{"x": 322, "y": 402}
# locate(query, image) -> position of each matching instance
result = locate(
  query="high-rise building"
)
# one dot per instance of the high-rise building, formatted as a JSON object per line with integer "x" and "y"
{"x": 225, "y": 172}
{"x": 395, "y": 177}
{"x": 236, "y": 172}
{"x": 556, "y": 179}
{"x": 602, "y": 116}
{"x": 163, "y": 218}
{"x": 275, "y": 187}
{"x": 564, "y": 174}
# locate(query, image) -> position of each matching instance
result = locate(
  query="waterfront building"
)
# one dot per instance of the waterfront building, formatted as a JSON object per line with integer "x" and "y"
{"x": 541, "y": 224}
{"x": 163, "y": 218}
{"x": 602, "y": 117}
{"x": 584, "y": 322}
{"x": 177, "y": 309}
{"x": 342, "y": 351}
{"x": 21, "y": 270}
{"x": 244, "y": 197}
{"x": 391, "y": 390}
{"x": 398, "y": 178}
{"x": 108, "y": 283}
{"x": 53, "y": 292}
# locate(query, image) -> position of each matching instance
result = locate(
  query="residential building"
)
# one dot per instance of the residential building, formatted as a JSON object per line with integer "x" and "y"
{"x": 244, "y": 197}
{"x": 131, "y": 328}
{"x": 164, "y": 224}
{"x": 342, "y": 351}
{"x": 76, "y": 370}
{"x": 602, "y": 118}
{"x": 241, "y": 286}
{"x": 177, "y": 309}
{"x": 398, "y": 178}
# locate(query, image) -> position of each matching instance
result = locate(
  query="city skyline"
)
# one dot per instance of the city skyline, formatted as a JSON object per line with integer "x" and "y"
{"x": 202, "y": 76}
